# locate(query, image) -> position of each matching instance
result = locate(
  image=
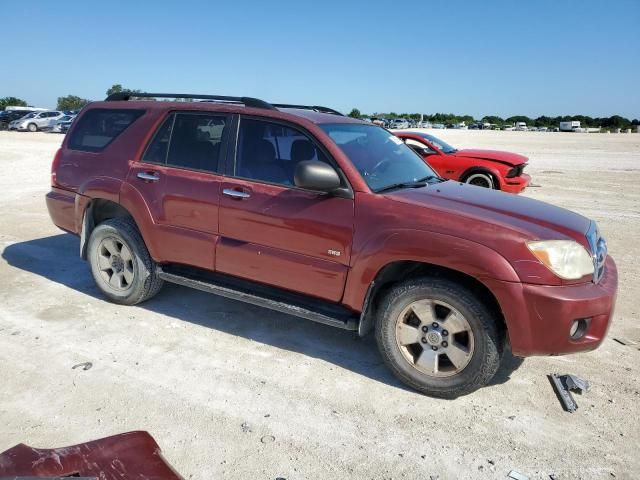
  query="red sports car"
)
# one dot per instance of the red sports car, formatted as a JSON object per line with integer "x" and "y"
{"x": 484, "y": 168}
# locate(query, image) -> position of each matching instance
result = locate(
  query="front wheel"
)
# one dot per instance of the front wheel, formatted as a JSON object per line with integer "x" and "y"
{"x": 438, "y": 337}
{"x": 120, "y": 262}
{"x": 481, "y": 180}
{"x": 32, "y": 127}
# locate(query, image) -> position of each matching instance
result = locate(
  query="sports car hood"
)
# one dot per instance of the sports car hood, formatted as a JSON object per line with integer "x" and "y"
{"x": 508, "y": 158}
{"x": 487, "y": 216}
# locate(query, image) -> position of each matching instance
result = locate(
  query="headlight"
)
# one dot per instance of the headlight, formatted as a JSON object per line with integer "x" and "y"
{"x": 567, "y": 259}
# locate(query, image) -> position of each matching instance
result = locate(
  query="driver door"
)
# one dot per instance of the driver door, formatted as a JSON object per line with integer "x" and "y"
{"x": 273, "y": 232}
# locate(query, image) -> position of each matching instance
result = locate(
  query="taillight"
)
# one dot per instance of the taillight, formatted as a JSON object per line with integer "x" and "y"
{"x": 54, "y": 167}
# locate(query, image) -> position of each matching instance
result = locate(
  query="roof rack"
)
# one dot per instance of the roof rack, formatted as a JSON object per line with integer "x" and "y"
{"x": 247, "y": 101}
{"x": 315, "y": 108}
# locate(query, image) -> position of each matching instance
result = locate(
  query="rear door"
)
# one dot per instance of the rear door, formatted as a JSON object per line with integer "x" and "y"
{"x": 273, "y": 232}
{"x": 179, "y": 178}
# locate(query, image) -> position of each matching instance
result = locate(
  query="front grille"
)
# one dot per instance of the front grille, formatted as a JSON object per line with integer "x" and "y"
{"x": 598, "y": 247}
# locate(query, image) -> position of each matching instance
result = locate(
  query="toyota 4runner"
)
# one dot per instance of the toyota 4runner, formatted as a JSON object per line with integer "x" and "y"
{"x": 305, "y": 211}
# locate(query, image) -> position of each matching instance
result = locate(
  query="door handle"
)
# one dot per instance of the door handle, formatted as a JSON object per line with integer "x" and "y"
{"x": 148, "y": 177}
{"x": 235, "y": 193}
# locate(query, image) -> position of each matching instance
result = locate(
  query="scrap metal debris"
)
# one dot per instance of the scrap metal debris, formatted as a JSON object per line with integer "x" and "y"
{"x": 84, "y": 365}
{"x": 563, "y": 385}
{"x": 517, "y": 475}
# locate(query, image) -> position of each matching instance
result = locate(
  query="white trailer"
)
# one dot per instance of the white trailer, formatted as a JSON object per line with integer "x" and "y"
{"x": 572, "y": 126}
{"x": 30, "y": 109}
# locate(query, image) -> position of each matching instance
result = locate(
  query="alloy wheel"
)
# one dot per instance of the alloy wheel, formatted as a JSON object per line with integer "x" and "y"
{"x": 115, "y": 263}
{"x": 434, "y": 338}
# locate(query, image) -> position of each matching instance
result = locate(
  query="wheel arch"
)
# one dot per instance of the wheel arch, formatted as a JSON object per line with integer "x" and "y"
{"x": 396, "y": 271}
{"x": 96, "y": 211}
{"x": 495, "y": 175}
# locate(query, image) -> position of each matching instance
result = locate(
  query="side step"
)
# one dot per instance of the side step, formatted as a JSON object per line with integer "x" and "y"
{"x": 263, "y": 296}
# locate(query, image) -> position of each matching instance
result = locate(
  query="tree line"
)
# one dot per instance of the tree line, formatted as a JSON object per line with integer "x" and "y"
{"x": 74, "y": 102}
{"x": 69, "y": 102}
{"x": 614, "y": 121}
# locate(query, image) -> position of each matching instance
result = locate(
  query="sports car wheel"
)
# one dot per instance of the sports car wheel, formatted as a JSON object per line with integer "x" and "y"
{"x": 480, "y": 180}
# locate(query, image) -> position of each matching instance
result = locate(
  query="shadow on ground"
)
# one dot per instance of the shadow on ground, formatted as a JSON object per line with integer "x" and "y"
{"x": 56, "y": 258}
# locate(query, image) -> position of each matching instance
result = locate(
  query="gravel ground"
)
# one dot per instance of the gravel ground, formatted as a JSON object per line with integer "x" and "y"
{"x": 233, "y": 391}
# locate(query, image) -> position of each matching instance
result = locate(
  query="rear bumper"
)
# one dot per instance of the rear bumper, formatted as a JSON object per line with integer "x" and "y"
{"x": 61, "y": 206}
{"x": 539, "y": 317}
{"x": 516, "y": 184}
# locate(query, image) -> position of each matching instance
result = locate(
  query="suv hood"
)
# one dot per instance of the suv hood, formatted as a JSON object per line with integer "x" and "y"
{"x": 448, "y": 206}
{"x": 508, "y": 158}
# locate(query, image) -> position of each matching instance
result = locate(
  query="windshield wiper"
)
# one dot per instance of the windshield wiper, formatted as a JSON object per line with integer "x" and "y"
{"x": 396, "y": 186}
{"x": 429, "y": 178}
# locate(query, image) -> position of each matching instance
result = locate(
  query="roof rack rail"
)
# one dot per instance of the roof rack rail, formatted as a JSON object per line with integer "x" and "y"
{"x": 247, "y": 101}
{"x": 315, "y": 108}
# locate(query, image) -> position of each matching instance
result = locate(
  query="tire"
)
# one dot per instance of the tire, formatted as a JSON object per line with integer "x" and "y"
{"x": 481, "y": 179}
{"x": 32, "y": 127}
{"x": 120, "y": 262}
{"x": 480, "y": 346}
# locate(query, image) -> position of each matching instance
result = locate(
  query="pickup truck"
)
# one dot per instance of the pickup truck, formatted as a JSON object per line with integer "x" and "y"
{"x": 302, "y": 210}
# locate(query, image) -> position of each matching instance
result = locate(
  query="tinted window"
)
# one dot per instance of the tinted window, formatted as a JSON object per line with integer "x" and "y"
{"x": 196, "y": 141}
{"x": 157, "y": 150}
{"x": 270, "y": 152}
{"x": 381, "y": 158}
{"x": 99, "y": 127}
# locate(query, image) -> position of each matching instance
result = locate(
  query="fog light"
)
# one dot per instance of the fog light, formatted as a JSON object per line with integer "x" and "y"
{"x": 578, "y": 328}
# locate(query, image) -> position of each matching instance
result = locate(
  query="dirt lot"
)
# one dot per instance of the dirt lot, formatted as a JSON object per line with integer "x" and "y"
{"x": 215, "y": 381}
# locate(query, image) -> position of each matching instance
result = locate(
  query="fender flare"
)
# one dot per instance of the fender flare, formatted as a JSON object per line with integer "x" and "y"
{"x": 429, "y": 248}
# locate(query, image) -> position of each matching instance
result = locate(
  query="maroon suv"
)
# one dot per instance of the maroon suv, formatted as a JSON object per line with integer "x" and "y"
{"x": 311, "y": 213}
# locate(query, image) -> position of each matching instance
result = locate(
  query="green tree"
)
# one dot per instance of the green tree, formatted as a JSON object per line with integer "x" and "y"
{"x": 494, "y": 119}
{"x": 355, "y": 113}
{"x": 71, "y": 102}
{"x": 11, "y": 102}
{"x": 118, "y": 88}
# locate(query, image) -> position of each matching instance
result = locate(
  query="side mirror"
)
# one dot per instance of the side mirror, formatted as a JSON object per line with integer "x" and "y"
{"x": 318, "y": 176}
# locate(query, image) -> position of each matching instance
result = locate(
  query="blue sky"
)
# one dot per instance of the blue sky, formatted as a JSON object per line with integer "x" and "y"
{"x": 477, "y": 57}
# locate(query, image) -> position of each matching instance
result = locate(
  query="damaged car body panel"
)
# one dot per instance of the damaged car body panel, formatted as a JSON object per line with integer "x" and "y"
{"x": 126, "y": 455}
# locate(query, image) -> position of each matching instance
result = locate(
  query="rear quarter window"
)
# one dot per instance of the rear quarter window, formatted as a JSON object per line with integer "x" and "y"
{"x": 100, "y": 126}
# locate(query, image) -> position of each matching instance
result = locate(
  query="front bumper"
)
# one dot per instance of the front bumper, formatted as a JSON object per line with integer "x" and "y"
{"x": 515, "y": 184}
{"x": 539, "y": 317}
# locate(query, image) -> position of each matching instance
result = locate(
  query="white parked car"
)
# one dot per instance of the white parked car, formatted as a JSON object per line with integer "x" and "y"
{"x": 65, "y": 120}
{"x": 36, "y": 121}
{"x": 399, "y": 123}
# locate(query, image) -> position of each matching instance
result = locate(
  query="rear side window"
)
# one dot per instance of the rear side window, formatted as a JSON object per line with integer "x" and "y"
{"x": 189, "y": 140}
{"x": 100, "y": 126}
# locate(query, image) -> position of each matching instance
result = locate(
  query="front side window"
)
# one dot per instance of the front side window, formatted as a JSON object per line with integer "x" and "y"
{"x": 100, "y": 126}
{"x": 382, "y": 159}
{"x": 270, "y": 152}
{"x": 419, "y": 147}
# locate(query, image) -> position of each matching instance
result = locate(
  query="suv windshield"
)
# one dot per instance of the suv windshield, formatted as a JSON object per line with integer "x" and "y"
{"x": 382, "y": 159}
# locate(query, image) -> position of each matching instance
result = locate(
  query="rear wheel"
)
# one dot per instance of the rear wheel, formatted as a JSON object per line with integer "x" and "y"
{"x": 438, "y": 337}
{"x": 481, "y": 179}
{"x": 120, "y": 262}
{"x": 32, "y": 127}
